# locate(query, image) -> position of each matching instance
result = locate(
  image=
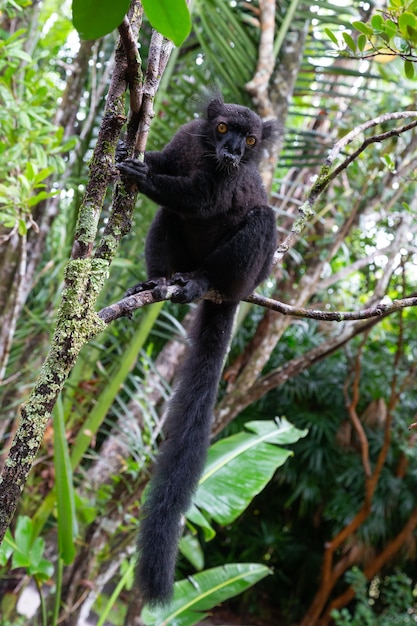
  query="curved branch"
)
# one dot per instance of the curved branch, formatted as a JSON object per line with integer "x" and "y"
{"x": 126, "y": 306}
{"x": 394, "y": 132}
{"x": 378, "y": 310}
{"x": 358, "y": 130}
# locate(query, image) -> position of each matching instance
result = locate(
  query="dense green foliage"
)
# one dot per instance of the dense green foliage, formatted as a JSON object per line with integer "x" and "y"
{"x": 391, "y": 32}
{"x": 385, "y": 603}
{"x": 31, "y": 145}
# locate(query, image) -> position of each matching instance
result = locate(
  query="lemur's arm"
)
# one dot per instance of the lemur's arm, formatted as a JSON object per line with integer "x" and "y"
{"x": 178, "y": 193}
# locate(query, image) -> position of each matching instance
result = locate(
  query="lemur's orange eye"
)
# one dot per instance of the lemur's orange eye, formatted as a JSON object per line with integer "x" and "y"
{"x": 250, "y": 141}
{"x": 222, "y": 128}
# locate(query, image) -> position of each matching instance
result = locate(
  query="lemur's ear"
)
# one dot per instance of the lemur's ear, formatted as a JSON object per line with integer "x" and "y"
{"x": 214, "y": 107}
{"x": 270, "y": 130}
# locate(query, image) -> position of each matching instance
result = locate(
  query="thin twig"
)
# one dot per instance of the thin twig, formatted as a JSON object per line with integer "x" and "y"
{"x": 394, "y": 132}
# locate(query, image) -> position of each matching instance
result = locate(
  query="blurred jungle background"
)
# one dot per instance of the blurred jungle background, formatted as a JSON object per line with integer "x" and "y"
{"x": 328, "y": 532}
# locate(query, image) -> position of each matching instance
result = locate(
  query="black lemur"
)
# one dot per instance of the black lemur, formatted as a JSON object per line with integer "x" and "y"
{"x": 214, "y": 230}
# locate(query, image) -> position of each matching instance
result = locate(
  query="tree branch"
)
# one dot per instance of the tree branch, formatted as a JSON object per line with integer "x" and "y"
{"x": 126, "y": 306}
{"x": 378, "y": 310}
{"x": 395, "y": 132}
{"x": 358, "y": 130}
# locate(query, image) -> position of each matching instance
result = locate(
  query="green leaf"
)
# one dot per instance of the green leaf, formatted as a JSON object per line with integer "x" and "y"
{"x": 86, "y": 512}
{"x": 28, "y": 550}
{"x": 389, "y": 162}
{"x": 169, "y": 17}
{"x": 23, "y": 539}
{"x": 253, "y": 458}
{"x": 43, "y": 173}
{"x": 331, "y": 36}
{"x": 349, "y": 41}
{"x": 23, "y": 120}
{"x": 198, "y": 594}
{"x": 29, "y": 171}
{"x": 409, "y": 69}
{"x": 377, "y": 22}
{"x": 25, "y": 184}
{"x": 67, "y": 521}
{"x": 6, "y": 548}
{"x": 36, "y": 552}
{"x": 42, "y": 195}
{"x": 363, "y": 28}
{"x": 67, "y": 146}
{"x": 390, "y": 28}
{"x": 195, "y": 516}
{"x": 8, "y": 221}
{"x": 190, "y": 547}
{"x": 96, "y": 18}
{"x": 22, "y": 227}
{"x": 20, "y": 54}
{"x": 44, "y": 570}
{"x": 20, "y": 559}
{"x": 407, "y": 23}
{"x": 362, "y": 39}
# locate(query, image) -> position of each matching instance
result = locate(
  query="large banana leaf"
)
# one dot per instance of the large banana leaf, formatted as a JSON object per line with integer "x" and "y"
{"x": 197, "y": 594}
{"x": 239, "y": 467}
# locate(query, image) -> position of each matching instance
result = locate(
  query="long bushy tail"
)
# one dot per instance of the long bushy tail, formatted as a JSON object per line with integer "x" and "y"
{"x": 181, "y": 459}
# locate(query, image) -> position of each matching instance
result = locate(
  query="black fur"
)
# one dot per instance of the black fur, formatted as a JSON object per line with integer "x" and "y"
{"x": 217, "y": 231}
